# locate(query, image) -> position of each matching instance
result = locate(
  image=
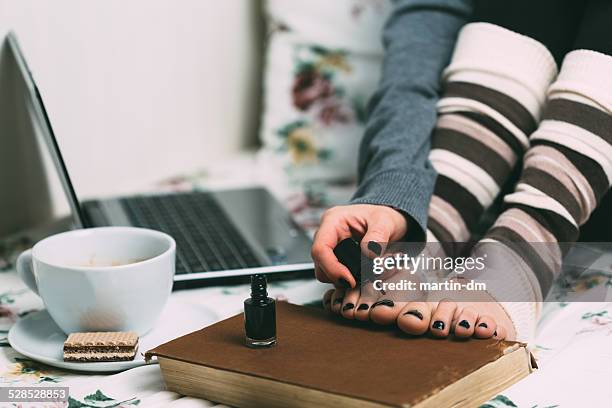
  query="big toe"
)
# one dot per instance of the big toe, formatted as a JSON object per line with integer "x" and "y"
{"x": 385, "y": 311}
{"x": 414, "y": 318}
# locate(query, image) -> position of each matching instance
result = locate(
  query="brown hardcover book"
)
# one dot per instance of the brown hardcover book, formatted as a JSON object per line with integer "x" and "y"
{"x": 324, "y": 361}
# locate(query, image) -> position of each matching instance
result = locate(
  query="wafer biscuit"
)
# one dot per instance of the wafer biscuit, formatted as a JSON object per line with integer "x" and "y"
{"x": 101, "y": 346}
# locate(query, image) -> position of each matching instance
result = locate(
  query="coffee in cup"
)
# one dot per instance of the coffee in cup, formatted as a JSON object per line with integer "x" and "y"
{"x": 102, "y": 279}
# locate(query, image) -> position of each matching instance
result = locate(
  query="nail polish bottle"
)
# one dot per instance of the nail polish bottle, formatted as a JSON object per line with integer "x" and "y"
{"x": 348, "y": 252}
{"x": 259, "y": 315}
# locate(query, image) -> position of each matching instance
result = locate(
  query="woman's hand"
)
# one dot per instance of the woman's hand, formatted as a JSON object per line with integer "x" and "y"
{"x": 374, "y": 225}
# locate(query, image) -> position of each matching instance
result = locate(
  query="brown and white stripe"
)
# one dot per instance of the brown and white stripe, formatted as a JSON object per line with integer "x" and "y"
{"x": 534, "y": 235}
{"x": 466, "y": 127}
{"x": 551, "y": 161}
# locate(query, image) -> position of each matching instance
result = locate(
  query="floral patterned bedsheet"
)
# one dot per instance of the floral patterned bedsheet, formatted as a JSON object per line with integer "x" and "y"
{"x": 573, "y": 345}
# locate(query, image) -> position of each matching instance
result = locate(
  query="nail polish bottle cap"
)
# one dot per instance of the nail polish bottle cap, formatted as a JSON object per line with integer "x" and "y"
{"x": 259, "y": 287}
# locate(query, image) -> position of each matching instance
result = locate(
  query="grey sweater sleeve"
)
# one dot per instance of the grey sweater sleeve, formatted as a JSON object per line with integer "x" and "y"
{"x": 394, "y": 168}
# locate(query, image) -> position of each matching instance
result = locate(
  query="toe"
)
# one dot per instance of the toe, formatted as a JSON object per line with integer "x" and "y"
{"x": 368, "y": 296}
{"x": 442, "y": 317}
{"x": 500, "y": 333}
{"x": 337, "y": 299}
{"x": 466, "y": 321}
{"x": 327, "y": 299}
{"x": 385, "y": 311}
{"x": 485, "y": 327}
{"x": 414, "y": 318}
{"x": 362, "y": 311}
{"x": 351, "y": 296}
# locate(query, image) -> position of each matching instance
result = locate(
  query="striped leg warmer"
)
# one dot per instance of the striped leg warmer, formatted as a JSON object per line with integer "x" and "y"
{"x": 494, "y": 91}
{"x": 566, "y": 171}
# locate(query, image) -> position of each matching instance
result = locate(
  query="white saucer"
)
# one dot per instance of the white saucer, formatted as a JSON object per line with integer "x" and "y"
{"x": 37, "y": 336}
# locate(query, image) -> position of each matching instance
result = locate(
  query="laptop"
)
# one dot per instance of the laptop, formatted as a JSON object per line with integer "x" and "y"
{"x": 219, "y": 234}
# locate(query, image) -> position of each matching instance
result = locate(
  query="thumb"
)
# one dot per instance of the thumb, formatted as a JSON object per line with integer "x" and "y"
{"x": 377, "y": 235}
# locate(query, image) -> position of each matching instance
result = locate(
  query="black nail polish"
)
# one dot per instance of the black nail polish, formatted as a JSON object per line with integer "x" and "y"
{"x": 438, "y": 325}
{"x": 348, "y": 306}
{"x": 344, "y": 283}
{"x": 415, "y": 313}
{"x": 384, "y": 302}
{"x": 495, "y": 333}
{"x": 260, "y": 315}
{"x": 338, "y": 301}
{"x": 465, "y": 324}
{"x": 375, "y": 247}
{"x": 484, "y": 325}
{"x": 363, "y": 306}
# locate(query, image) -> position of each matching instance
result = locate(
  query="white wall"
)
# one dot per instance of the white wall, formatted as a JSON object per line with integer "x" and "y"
{"x": 142, "y": 89}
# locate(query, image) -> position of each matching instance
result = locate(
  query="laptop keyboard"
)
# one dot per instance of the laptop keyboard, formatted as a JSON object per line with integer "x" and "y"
{"x": 205, "y": 237}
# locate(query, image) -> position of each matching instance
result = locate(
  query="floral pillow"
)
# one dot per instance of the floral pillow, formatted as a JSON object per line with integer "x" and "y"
{"x": 319, "y": 77}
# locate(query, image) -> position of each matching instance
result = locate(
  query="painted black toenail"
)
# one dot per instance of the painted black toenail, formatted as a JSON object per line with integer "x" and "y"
{"x": 342, "y": 282}
{"x": 465, "y": 324}
{"x": 415, "y": 313}
{"x": 384, "y": 302}
{"x": 438, "y": 325}
{"x": 363, "y": 306}
{"x": 495, "y": 333}
{"x": 348, "y": 306}
{"x": 338, "y": 301}
{"x": 484, "y": 325}
{"x": 375, "y": 247}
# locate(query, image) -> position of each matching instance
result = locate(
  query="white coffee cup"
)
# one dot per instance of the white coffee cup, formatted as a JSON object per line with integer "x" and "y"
{"x": 102, "y": 279}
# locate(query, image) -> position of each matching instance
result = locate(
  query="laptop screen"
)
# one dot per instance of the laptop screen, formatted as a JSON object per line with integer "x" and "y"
{"x": 38, "y": 114}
